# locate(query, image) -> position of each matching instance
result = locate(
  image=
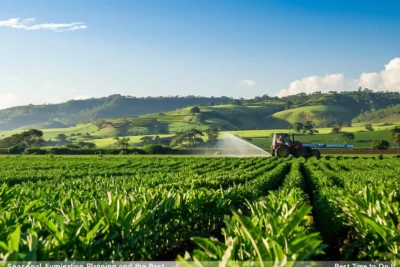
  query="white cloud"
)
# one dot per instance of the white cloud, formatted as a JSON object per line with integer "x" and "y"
{"x": 247, "y": 83}
{"x": 27, "y": 24}
{"x": 387, "y": 79}
{"x": 7, "y": 100}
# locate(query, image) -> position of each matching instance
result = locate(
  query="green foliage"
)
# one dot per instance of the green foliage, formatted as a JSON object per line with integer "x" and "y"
{"x": 212, "y": 134}
{"x": 35, "y": 151}
{"x": 62, "y": 137}
{"x": 369, "y": 127}
{"x": 156, "y": 149}
{"x": 30, "y": 138}
{"x": 133, "y": 208}
{"x": 276, "y": 230}
{"x": 114, "y": 106}
{"x": 381, "y": 144}
{"x": 374, "y": 217}
{"x": 348, "y": 136}
{"x": 387, "y": 114}
{"x": 298, "y": 127}
{"x": 16, "y": 150}
{"x": 195, "y": 110}
{"x": 122, "y": 142}
{"x": 188, "y": 139}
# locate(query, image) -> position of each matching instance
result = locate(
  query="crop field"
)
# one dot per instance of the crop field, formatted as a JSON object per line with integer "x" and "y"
{"x": 204, "y": 208}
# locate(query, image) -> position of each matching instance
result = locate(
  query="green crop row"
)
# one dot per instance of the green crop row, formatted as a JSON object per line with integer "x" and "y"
{"x": 237, "y": 209}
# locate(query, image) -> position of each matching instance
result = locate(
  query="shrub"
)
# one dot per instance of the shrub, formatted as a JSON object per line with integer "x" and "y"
{"x": 156, "y": 149}
{"x": 381, "y": 144}
{"x": 3, "y": 151}
{"x": 36, "y": 151}
{"x": 59, "y": 150}
{"x": 335, "y": 130}
{"x": 16, "y": 150}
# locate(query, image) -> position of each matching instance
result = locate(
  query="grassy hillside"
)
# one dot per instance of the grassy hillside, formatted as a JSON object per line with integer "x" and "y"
{"x": 225, "y": 117}
{"x": 319, "y": 114}
{"x": 228, "y": 117}
{"x": 386, "y": 115}
{"x": 244, "y": 113}
{"x": 78, "y": 111}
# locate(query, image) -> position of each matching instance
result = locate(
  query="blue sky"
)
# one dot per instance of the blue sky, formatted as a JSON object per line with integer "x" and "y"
{"x": 79, "y": 49}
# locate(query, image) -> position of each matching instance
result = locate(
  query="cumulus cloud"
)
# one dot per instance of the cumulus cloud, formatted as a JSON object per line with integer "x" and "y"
{"x": 7, "y": 100}
{"x": 387, "y": 79}
{"x": 28, "y": 24}
{"x": 247, "y": 83}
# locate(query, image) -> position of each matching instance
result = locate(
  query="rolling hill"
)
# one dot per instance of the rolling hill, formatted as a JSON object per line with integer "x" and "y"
{"x": 319, "y": 114}
{"x": 385, "y": 115}
{"x": 78, "y": 111}
{"x": 222, "y": 111}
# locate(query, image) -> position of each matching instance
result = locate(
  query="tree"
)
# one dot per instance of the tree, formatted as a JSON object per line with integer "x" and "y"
{"x": 381, "y": 144}
{"x": 395, "y": 130}
{"x": 100, "y": 124}
{"x": 337, "y": 128}
{"x": 122, "y": 143}
{"x": 348, "y": 136}
{"x": 86, "y": 144}
{"x": 30, "y": 138}
{"x": 212, "y": 135}
{"x": 309, "y": 126}
{"x": 396, "y": 141}
{"x": 298, "y": 127}
{"x": 288, "y": 105}
{"x": 194, "y": 110}
{"x": 237, "y": 102}
{"x": 188, "y": 139}
{"x": 62, "y": 137}
{"x": 369, "y": 127}
{"x": 147, "y": 139}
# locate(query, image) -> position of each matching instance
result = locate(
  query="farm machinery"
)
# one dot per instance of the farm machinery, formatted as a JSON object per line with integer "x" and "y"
{"x": 283, "y": 146}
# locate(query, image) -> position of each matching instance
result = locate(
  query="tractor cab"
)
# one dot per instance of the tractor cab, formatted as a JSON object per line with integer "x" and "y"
{"x": 284, "y": 139}
{"x": 281, "y": 139}
{"x": 283, "y": 146}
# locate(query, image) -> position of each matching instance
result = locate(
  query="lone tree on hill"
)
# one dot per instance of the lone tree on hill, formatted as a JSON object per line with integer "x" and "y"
{"x": 288, "y": 105}
{"x": 194, "y": 110}
{"x": 188, "y": 139}
{"x": 381, "y": 144}
{"x": 62, "y": 137}
{"x": 396, "y": 137}
{"x": 30, "y": 138}
{"x": 348, "y": 136}
{"x": 369, "y": 127}
{"x": 122, "y": 143}
{"x": 212, "y": 134}
{"x": 147, "y": 139}
{"x": 298, "y": 127}
{"x": 309, "y": 126}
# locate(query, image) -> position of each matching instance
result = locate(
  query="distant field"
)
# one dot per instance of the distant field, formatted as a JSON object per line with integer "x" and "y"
{"x": 355, "y": 128}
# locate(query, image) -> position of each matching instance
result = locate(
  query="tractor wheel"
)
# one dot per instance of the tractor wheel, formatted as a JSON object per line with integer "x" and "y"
{"x": 282, "y": 151}
{"x": 308, "y": 152}
{"x": 316, "y": 153}
{"x": 300, "y": 152}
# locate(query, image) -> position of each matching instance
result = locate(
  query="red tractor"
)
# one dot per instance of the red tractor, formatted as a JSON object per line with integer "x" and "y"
{"x": 282, "y": 146}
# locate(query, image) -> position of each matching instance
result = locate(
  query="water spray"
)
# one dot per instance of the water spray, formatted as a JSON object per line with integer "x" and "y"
{"x": 231, "y": 145}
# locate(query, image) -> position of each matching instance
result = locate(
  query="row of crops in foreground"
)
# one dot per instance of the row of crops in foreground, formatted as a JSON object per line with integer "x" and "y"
{"x": 187, "y": 208}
